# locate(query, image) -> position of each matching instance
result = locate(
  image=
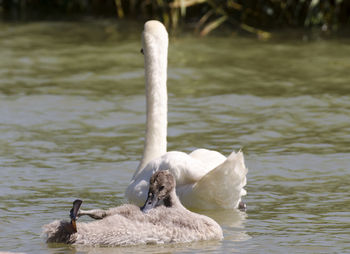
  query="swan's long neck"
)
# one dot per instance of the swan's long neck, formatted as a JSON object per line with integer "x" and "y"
{"x": 155, "y": 48}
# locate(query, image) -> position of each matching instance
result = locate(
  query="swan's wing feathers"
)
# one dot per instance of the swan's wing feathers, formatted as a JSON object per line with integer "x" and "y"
{"x": 223, "y": 186}
{"x": 209, "y": 158}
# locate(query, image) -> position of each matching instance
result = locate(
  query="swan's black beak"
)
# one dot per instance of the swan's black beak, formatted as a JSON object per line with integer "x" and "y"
{"x": 151, "y": 202}
{"x": 74, "y": 212}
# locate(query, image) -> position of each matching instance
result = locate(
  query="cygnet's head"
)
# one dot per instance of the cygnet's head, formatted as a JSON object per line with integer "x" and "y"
{"x": 162, "y": 184}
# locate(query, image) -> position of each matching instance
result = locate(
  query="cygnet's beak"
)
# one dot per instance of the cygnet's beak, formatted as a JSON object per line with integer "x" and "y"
{"x": 151, "y": 202}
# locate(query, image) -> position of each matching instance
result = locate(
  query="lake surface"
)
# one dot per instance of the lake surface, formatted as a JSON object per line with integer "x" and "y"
{"x": 72, "y": 113}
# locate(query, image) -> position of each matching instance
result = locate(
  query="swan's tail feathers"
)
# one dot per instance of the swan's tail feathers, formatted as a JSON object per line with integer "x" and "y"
{"x": 223, "y": 186}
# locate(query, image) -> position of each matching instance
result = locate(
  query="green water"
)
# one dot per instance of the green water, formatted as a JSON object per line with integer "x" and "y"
{"x": 72, "y": 123}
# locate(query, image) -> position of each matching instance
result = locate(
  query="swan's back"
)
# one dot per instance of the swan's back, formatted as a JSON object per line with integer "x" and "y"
{"x": 205, "y": 179}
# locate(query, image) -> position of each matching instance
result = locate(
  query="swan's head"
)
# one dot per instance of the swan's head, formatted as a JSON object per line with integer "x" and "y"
{"x": 162, "y": 185}
{"x": 154, "y": 40}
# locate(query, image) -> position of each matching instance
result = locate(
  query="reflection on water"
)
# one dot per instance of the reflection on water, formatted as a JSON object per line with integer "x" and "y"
{"x": 72, "y": 124}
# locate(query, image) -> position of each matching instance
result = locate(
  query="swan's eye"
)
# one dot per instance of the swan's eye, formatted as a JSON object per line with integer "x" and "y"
{"x": 161, "y": 188}
{"x": 141, "y": 51}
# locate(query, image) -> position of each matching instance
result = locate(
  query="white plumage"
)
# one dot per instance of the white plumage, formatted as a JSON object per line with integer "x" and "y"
{"x": 205, "y": 179}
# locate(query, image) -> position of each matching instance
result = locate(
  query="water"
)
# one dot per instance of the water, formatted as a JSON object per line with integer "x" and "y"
{"x": 72, "y": 123}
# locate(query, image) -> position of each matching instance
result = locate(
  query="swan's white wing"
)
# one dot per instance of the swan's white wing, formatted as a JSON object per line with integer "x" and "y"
{"x": 210, "y": 158}
{"x": 196, "y": 184}
{"x": 185, "y": 169}
{"x": 222, "y": 187}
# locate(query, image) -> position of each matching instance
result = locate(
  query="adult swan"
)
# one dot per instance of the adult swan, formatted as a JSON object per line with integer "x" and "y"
{"x": 205, "y": 179}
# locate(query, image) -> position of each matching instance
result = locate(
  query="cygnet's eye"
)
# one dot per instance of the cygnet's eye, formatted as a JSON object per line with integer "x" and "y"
{"x": 141, "y": 51}
{"x": 161, "y": 188}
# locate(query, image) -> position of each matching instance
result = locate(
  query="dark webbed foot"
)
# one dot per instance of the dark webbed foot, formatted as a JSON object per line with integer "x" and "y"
{"x": 74, "y": 212}
{"x": 242, "y": 206}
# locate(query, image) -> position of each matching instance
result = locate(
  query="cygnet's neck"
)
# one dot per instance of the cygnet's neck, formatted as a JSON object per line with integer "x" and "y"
{"x": 155, "y": 48}
{"x": 173, "y": 201}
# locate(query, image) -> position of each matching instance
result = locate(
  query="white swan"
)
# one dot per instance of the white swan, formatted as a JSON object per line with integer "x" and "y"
{"x": 161, "y": 220}
{"x": 205, "y": 179}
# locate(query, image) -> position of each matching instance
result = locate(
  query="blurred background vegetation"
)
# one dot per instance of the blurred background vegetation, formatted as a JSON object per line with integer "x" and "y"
{"x": 259, "y": 17}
